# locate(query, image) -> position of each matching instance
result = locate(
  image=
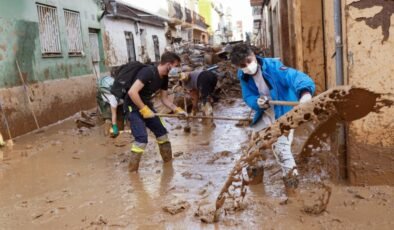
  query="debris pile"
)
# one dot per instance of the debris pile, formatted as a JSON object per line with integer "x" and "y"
{"x": 205, "y": 57}
{"x": 86, "y": 120}
{"x": 320, "y": 200}
{"x": 176, "y": 206}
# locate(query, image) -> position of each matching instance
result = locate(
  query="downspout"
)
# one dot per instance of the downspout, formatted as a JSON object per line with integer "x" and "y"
{"x": 338, "y": 42}
{"x": 114, "y": 8}
{"x": 341, "y": 129}
{"x": 106, "y": 11}
{"x": 323, "y": 9}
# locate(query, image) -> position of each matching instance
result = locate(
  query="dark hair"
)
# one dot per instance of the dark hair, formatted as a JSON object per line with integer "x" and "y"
{"x": 239, "y": 53}
{"x": 169, "y": 57}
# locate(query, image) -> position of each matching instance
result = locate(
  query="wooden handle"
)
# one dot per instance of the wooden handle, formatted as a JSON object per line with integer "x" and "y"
{"x": 28, "y": 93}
{"x": 204, "y": 117}
{"x": 289, "y": 103}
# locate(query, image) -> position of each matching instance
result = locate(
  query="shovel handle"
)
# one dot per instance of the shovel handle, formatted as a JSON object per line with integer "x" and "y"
{"x": 205, "y": 117}
{"x": 288, "y": 103}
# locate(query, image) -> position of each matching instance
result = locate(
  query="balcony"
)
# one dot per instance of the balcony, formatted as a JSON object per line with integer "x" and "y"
{"x": 256, "y": 2}
{"x": 188, "y": 14}
{"x": 175, "y": 10}
{"x": 199, "y": 20}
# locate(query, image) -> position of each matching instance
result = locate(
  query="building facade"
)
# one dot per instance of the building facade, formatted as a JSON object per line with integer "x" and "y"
{"x": 58, "y": 48}
{"x": 319, "y": 38}
{"x": 131, "y": 34}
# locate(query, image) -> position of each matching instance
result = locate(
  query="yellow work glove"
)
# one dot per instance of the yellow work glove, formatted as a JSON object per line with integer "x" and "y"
{"x": 184, "y": 76}
{"x": 146, "y": 112}
{"x": 180, "y": 111}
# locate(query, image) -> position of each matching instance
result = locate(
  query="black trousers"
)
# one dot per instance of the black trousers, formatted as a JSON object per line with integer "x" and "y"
{"x": 206, "y": 84}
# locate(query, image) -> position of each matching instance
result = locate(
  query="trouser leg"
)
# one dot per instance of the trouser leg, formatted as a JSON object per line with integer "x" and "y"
{"x": 138, "y": 130}
{"x": 156, "y": 125}
{"x": 282, "y": 150}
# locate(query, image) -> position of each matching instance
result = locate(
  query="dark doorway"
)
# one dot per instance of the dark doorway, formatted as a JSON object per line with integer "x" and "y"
{"x": 130, "y": 46}
{"x": 156, "y": 47}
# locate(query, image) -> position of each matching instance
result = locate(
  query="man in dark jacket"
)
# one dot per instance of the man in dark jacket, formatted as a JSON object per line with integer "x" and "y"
{"x": 141, "y": 114}
{"x": 201, "y": 85}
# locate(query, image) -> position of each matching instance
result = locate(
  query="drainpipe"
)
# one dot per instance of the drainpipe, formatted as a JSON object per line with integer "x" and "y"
{"x": 341, "y": 129}
{"x": 338, "y": 42}
{"x": 114, "y": 7}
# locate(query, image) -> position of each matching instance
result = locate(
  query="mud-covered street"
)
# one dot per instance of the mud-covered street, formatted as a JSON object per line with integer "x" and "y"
{"x": 196, "y": 114}
{"x": 64, "y": 177}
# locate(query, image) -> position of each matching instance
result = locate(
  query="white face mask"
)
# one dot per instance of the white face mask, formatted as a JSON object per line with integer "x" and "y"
{"x": 174, "y": 71}
{"x": 251, "y": 69}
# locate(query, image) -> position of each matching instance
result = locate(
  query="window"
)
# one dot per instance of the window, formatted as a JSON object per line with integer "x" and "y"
{"x": 156, "y": 47}
{"x": 49, "y": 30}
{"x": 130, "y": 46}
{"x": 73, "y": 30}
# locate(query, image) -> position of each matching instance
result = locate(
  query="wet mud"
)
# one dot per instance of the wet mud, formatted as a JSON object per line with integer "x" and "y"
{"x": 340, "y": 104}
{"x": 70, "y": 178}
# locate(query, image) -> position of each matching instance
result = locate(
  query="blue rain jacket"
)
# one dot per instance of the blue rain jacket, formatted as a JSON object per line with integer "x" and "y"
{"x": 285, "y": 84}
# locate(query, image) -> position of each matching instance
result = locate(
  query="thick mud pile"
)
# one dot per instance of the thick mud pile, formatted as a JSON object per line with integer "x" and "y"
{"x": 341, "y": 104}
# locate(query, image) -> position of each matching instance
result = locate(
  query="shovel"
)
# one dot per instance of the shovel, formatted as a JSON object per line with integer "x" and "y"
{"x": 10, "y": 141}
{"x": 204, "y": 117}
{"x": 287, "y": 103}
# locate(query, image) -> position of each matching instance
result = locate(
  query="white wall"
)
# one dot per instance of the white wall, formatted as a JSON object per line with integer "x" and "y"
{"x": 156, "y": 7}
{"x": 160, "y": 33}
{"x": 115, "y": 41}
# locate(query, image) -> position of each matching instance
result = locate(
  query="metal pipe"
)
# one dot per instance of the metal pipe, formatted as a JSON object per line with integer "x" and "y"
{"x": 114, "y": 7}
{"x": 203, "y": 117}
{"x": 338, "y": 42}
{"x": 323, "y": 9}
{"x": 341, "y": 129}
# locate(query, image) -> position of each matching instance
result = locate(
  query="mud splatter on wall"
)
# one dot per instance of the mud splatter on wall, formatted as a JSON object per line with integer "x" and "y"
{"x": 369, "y": 64}
{"x": 381, "y": 19}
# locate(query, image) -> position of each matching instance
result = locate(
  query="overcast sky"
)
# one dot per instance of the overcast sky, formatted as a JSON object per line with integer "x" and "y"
{"x": 241, "y": 10}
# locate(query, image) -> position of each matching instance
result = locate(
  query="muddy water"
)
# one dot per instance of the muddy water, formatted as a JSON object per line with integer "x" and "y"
{"x": 66, "y": 178}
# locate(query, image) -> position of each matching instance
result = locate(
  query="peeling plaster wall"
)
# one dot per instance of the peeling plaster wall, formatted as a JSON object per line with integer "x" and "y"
{"x": 160, "y": 33}
{"x": 370, "y": 50}
{"x": 115, "y": 41}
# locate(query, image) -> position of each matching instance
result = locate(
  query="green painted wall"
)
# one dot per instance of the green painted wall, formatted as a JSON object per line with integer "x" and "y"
{"x": 19, "y": 40}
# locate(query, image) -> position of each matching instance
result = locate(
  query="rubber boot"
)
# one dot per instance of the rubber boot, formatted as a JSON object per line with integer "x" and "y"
{"x": 134, "y": 163}
{"x": 285, "y": 158}
{"x": 291, "y": 181}
{"x": 166, "y": 151}
{"x": 208, "y": 111}
{"x": 256, "y": 173}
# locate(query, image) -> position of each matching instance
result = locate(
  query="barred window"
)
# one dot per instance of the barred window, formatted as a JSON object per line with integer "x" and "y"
{"x": 74, "y": 35}
{"x": 49, "y": 30}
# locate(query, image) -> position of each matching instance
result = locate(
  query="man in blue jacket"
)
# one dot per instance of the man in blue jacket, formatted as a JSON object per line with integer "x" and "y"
{"x": 265, "y": 79}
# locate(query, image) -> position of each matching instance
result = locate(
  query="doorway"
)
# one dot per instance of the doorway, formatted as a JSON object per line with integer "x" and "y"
{"x": 156, "y": 47}
{"x": 95, "y": 51}
{"x": 130, "y": 46}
